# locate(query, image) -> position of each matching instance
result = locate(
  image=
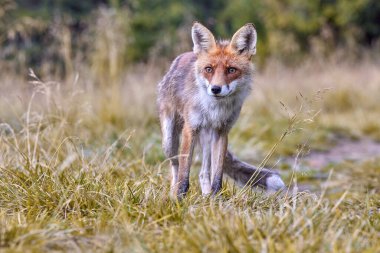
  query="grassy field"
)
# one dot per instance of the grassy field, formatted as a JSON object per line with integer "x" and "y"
{"x": 81, "y": 167}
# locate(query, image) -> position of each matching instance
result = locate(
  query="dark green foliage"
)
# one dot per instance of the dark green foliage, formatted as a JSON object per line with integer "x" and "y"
{"x": 368, "y": 19}
{"x": 29, "y": 30}
{"x": 151, "y": 22}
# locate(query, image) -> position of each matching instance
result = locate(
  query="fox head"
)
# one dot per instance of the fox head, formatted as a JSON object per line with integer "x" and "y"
{"x": 223, "y": 67}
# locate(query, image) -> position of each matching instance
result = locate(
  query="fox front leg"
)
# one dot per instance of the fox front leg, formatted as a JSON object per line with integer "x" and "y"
{"x": 205, "y": 139}
{"x": 218, "y": 154}
{"x": 185, "y": 160}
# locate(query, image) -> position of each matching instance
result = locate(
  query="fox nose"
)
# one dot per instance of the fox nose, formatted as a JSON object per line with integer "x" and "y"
{"x": 216, "y": 89}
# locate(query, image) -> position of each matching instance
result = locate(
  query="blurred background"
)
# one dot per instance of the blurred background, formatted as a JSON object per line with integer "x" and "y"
{"x": 92, "y": 67}
{"x": 58, "y": 37}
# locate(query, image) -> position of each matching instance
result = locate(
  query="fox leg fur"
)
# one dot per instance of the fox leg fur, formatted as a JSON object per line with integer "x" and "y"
{"x": 218, "y": 154}
{"x": 205, "y": 173}
{"x": 245, "y": 174}
{"x": 186, "y": 155}
{"x": 171, "y": 129}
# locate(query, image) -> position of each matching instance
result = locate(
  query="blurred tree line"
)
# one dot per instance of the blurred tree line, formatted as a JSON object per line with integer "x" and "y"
{"x": 115, "y": 33}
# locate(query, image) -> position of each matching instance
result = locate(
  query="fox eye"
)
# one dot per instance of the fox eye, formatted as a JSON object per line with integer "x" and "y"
{"x": 208, "y": 69}
{"x": 231, "y": 70}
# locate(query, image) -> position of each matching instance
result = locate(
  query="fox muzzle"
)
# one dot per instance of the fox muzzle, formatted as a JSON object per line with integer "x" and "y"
{"x": 215, "y": 89}
{"x": 220, "y": 90}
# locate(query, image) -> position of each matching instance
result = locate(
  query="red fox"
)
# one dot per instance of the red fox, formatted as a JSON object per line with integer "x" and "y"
{"x": 200, "y": 99}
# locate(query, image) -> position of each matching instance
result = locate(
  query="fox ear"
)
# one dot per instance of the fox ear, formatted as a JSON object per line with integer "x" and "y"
{"x": 244, "y": 40}
{"x": 202, "y": 38}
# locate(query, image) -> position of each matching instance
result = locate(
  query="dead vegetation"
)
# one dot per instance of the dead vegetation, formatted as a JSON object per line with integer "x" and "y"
{"x": 81, "y": 167}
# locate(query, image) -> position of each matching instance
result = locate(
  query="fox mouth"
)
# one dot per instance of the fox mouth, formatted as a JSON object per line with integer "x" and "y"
{"x": 221, "y": 96}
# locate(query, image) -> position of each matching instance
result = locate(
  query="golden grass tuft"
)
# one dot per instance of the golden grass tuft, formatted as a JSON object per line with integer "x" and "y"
{"x": 82, "y": 171}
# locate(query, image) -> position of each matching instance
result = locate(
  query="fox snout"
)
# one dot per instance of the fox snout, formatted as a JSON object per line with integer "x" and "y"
{"x": 215, "y": 89}
{"x": 221, "y": 90}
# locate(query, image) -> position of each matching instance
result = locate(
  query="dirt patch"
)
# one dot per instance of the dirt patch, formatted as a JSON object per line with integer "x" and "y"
{"x": 345, "y": 150}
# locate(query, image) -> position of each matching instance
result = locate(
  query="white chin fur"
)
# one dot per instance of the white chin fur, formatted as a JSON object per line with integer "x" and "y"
{"x": 274, "y": 183}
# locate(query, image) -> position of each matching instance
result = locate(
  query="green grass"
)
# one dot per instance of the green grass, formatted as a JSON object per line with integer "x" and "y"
{"x": 81, "y": 168}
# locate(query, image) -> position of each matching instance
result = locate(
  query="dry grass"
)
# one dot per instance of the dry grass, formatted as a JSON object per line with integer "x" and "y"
{"x": 81, "y": 167}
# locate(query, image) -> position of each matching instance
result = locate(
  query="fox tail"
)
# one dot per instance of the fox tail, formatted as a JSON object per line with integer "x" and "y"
{"x": 245, "y": 174}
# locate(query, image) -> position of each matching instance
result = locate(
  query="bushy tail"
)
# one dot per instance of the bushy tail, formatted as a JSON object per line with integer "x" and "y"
{"x": 246, "y": 174}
